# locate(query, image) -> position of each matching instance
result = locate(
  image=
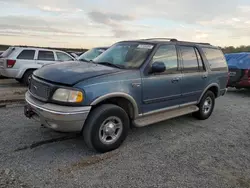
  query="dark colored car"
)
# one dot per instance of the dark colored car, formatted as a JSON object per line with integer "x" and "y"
{"x": 133, "y": 83}
{"x": 239, "y": 69}
{"x": 92, "y": 54}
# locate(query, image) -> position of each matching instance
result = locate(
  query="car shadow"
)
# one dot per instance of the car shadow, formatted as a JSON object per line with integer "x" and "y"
{"x": 239, "y": 92}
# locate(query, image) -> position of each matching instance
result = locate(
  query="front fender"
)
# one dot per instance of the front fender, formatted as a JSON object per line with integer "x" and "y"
{"x": 123, "y": 85}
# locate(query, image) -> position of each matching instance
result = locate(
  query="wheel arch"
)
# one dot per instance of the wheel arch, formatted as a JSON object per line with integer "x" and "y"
{"x": 212, "y": 87}
{"x": 124, "y": 100}
{"x": 22, "y": 73}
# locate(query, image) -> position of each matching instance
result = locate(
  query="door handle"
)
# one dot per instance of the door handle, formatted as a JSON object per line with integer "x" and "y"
{"x": 204, "y": 76}
{"x": 176, "y": 79}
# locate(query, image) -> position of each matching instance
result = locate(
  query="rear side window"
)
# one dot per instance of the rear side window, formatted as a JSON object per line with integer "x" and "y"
{"x": 63, "y": 57}
{"x": 189, "y": 59}
{"x": 26, "y": 54}
{"x": 46, "y": 56}
{"x": 215, "y": 59}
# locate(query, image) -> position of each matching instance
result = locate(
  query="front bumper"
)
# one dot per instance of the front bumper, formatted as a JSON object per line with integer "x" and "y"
{"x": 56, "y": 117}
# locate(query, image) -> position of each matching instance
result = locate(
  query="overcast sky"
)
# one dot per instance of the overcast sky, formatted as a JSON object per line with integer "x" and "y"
{"x": 89, "y": 23}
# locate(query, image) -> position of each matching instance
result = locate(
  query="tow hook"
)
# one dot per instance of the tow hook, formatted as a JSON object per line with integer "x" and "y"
{"x": 28, "y": 112}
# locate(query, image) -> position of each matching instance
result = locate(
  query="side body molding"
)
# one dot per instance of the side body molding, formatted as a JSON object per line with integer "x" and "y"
{"x": 118, "y": 94}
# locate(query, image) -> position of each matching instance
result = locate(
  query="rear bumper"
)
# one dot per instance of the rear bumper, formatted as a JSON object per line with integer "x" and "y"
{"x": 56, "y": 117}
{"x": 240, "y": 84}
{"x": 9, "y": 73}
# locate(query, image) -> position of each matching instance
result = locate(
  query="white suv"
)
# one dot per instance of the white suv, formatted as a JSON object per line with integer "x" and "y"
{"x": 20, "y": 62}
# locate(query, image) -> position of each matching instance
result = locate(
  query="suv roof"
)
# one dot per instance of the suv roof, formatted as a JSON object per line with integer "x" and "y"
{"x": 36, "y": 48}
{"x": 168, "y": 40}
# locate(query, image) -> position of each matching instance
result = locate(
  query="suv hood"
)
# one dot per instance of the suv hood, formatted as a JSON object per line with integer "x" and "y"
{"x": 70, "y": 73}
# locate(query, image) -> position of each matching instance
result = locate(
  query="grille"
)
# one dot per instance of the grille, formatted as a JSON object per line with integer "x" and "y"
{"x": 39, "y": 89}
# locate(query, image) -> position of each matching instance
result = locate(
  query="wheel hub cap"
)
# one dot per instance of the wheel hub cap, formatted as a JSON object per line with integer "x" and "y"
{"x": 110, "y": 130}
{"x": 207, "y": 106}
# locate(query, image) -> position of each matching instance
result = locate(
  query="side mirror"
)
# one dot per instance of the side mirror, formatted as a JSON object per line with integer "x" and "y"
{"x": 158, "y": 67}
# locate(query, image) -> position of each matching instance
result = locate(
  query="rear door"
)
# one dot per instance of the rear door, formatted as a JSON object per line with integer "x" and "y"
{"x": 194, "y": 74}
{"x": 45, "y": 57}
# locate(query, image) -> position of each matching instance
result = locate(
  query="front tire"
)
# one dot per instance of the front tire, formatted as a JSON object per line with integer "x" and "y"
{"x": 206, "y": 106}
{"x": 106, "y": 128}
{"x": 27, "y": 76}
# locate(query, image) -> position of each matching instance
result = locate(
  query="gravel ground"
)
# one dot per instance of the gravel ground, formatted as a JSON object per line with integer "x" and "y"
{"x": 11, "y": 91}
{"x": 181, "y": 152}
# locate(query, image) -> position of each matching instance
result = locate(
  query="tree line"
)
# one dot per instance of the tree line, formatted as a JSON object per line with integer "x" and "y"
{"x": 232, "y": 49}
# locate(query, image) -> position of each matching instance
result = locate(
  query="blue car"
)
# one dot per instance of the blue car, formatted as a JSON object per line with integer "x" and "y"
{"x": 239, "y": 69}
{"x": 133, "y": 83}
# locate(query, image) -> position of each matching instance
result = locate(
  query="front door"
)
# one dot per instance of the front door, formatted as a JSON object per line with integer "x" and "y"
{"x": 194, "y": 74}
{"x": 162, "y": 90}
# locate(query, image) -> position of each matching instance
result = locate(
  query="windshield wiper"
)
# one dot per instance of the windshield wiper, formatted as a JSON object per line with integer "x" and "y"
{"x": 111, "y": 64}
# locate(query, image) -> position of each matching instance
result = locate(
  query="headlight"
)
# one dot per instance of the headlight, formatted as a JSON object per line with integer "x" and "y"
{"x": 67, "y": 95}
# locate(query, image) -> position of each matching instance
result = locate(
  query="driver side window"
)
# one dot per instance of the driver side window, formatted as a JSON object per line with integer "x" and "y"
{"x": 167, "y": 54}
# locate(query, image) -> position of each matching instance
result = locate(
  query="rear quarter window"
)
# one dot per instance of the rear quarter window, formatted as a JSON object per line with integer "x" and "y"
{"x": 27, "y": 55}
{"x": 216, "y": 59}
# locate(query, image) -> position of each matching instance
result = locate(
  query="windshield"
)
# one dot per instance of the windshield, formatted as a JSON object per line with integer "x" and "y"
{"x": 91, "y": 54}
{"x": 126, "y": 55}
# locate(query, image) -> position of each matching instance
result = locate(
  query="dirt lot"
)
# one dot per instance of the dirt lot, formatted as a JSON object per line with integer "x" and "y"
{"x": 182, "y": 152}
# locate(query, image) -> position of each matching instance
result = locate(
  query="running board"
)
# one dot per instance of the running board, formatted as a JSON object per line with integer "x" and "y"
{"x": 165, "y": 115}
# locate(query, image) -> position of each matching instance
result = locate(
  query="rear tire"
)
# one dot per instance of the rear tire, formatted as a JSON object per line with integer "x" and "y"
{"x": 106, "y": 128}
{"x": 27, "y": 76}
{"x": 206, "y": 106}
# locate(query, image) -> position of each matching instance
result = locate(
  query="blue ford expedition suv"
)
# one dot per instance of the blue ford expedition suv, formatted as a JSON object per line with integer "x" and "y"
{"x": 133, "y": 83}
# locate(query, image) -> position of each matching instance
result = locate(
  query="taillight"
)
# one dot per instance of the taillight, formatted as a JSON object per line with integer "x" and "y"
{"x": 248, "y": 74}
{"x": 10, "y": 63}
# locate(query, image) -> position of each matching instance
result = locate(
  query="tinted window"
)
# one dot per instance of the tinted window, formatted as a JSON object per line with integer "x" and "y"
{"x": 63, "y": 57}
{"x": 46, "y": 56}
{"x": 216, "y": 59}
{"x": 200, "y": 61}
{"x": 189, "y": 59}
{"x": 167, "y": 54}
{"x": 26, "y": 54}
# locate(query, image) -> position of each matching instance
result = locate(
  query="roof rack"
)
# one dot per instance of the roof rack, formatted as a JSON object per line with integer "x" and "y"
{"x": 203, "y": 43}
{"x": 175, "y": 40}
{"x": 169, "y": 39}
